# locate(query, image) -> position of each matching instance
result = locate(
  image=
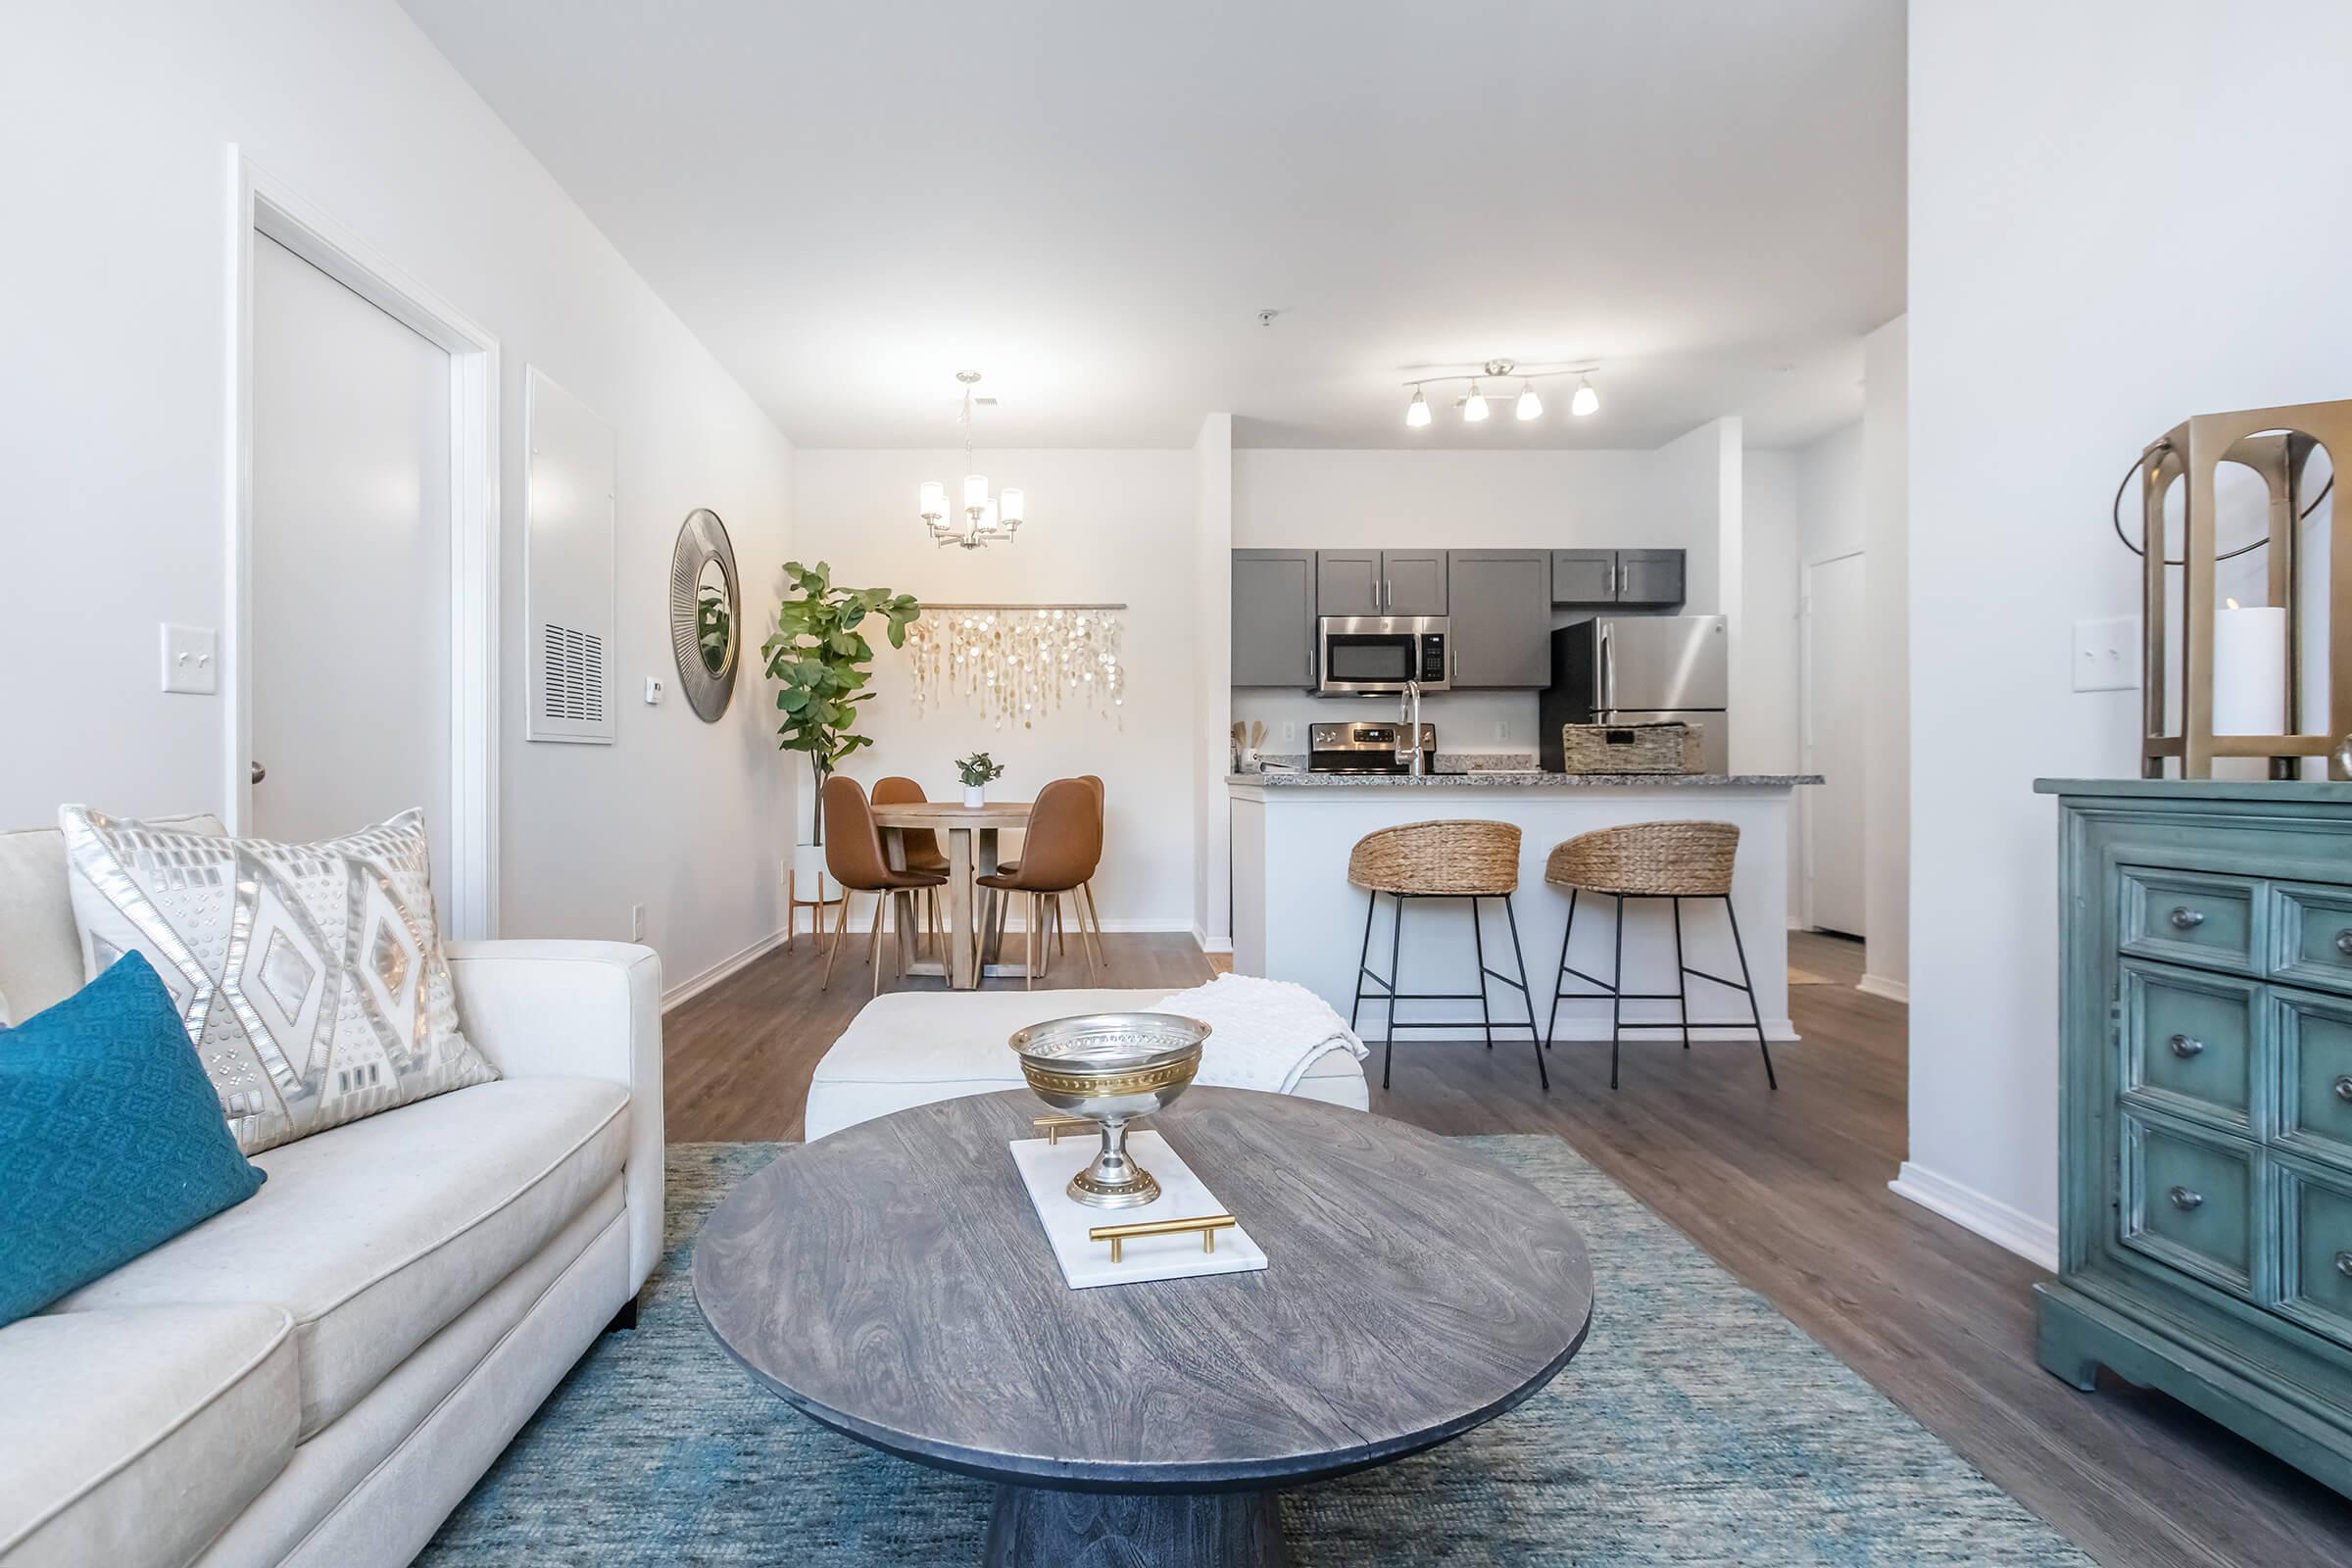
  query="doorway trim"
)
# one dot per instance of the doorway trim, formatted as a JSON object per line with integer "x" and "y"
{"x": 263, "y": 205}
{"x": 1805, "y": 622}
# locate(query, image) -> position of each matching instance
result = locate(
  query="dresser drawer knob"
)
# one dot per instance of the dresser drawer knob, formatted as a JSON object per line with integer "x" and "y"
{"x": 2343, "y": 1264}
{"x": 2187, "y": 1046}
{"x": 2343, "y": 943}
{"x": 2187, "y": 920}
{"x": 2343, "y": 1089}
{"x": 2186, "y": 1198}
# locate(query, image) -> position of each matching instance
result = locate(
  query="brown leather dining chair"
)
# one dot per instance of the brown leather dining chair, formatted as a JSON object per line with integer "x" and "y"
{"x": 854, "y": 855}
{"x": 922, "y": 851}
{"x": 1058, "y": 849}
{"x": 1082, "y": 897}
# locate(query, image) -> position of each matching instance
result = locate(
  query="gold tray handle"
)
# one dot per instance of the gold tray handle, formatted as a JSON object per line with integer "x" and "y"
{"x": 1055, "y": 1126}
{"x": 1206, "y": 1224}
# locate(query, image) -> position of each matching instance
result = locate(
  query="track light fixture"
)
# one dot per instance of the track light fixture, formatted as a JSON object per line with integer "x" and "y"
{"x": 1528, "y": 406}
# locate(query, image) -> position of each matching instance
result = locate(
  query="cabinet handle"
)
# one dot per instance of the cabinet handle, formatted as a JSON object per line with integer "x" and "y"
{"x": 2187, "y": 1046}
{"x": 2187, "y": 920}
{"x": 2343, "y": 943}
{"x": 2186, "y": 1198}
{"x": 2343, "y": 1264}
{"x": 2343, "y": 1089}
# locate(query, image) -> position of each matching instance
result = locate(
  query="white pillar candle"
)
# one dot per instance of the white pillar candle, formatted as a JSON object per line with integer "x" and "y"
{"x": 2249, "y": 670}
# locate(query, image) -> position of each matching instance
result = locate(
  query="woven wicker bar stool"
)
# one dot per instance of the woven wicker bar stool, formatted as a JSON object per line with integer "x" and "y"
{"x": 1472, "y": 860}
{"x": 1670, "y": 860}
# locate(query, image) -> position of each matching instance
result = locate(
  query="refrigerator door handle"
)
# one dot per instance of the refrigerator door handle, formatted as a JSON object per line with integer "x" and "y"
{"x": 1608, "y": 671}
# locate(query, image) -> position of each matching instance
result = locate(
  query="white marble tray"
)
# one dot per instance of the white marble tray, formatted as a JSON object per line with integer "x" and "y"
{"x": 1045, "y": 1170}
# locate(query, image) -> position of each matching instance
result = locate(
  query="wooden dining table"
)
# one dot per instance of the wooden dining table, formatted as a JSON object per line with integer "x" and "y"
{"x": 971, "y": 834}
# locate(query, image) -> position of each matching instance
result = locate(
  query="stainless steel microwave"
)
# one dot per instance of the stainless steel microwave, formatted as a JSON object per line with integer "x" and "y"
{"x": 1368, "y": 655}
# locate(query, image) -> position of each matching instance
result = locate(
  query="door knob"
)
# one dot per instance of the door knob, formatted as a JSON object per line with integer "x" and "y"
{"x": 259, "y": 773}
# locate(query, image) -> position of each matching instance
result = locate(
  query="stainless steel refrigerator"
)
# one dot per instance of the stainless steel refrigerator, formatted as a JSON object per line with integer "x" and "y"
{"x": 1641, "y": 669}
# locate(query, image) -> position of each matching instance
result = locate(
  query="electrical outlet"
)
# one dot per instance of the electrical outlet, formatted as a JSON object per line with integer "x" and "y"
{"x": 636, "y": 923}
{"x": 2107, "y": 655}
{"x": 1289, "y": 729}
{"x": 1503, "y": 729}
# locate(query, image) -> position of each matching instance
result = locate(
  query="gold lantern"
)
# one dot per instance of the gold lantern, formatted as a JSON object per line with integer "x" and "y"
{"x": 2277, "y": 444}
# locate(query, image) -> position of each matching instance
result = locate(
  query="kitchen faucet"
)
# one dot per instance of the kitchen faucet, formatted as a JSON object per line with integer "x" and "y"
{"x": 1408, "y": 741}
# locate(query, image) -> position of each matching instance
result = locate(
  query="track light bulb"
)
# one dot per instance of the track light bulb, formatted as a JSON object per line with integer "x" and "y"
{"x": 1587, "y": 401}
{"x": 1530, "y": 406}
{"x": 1474, "y": 407}
{"x": 1416, "y": 412}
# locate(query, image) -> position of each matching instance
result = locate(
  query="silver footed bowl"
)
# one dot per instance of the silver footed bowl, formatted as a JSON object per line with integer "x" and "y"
{"x": 1110, "y": 1068}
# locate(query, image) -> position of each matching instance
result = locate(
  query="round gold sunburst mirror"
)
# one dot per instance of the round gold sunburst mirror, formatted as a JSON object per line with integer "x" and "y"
{"x": 705, "y": 614}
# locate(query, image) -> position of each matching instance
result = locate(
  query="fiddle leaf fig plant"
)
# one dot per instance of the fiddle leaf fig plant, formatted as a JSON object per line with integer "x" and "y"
{"x": 817, "y": 658}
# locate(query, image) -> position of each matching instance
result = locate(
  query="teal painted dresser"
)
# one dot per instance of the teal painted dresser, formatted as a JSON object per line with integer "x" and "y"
{"x": 2205, "y": 1104}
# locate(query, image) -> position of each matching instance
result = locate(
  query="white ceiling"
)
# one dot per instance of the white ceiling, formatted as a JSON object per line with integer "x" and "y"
{"x": 1090, "y": 202}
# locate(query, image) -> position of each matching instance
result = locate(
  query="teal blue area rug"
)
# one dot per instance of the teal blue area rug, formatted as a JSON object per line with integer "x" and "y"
{"x": 1696, "y": 1426}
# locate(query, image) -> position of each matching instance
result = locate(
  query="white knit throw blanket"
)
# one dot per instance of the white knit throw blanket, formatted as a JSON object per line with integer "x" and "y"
{"x": 1266, "y": 1032}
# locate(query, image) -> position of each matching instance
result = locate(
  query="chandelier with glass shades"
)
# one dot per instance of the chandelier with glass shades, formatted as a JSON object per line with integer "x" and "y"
{"x": 981, "y": 520}
{"x": 1528, "y": 406}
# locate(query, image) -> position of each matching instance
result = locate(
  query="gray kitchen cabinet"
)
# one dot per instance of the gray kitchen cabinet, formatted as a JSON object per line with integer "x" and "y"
{"x": 1501, "y": 618}
{"x": 1347, "y": 582}
{"x": 1651, "y": 577}
{"x": 1274, "y": 618}
{"x": 1584, "y": 576}
{"x": 1415, "y": 582}
{"x": 1380, "y": 582}
{"x": 1636, "y": 579}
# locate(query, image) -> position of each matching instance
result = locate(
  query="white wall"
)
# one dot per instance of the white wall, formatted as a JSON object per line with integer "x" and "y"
{"x": 1768, "y": 740}
{"x": 1314, "y": 499}
{"x": 1830, "y": 497}
{"x": 1103, "y": 526}
{"x": 1886, "y": 633}
{"x": 2110, "y": 229}
{"x": 1212, "y": 679}
{"x": 113, "y": 434}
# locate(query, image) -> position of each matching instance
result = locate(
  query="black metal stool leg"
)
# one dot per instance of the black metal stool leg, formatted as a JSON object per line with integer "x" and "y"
{"x": 1748, "y": 983}
{"x": 1478, "y": 944}
{"x": 1551, "y": 1019}
{"x": 1682, "y": 987}
{"x": 1542, "y": 1073}
{"x": 1617, "y": 993}
{"x": 1388, "y": 1047}
{"x": 1363, "y": 958}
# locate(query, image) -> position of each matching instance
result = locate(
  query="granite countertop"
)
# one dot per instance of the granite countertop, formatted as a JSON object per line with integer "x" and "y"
{"x": 1518, "y": 778}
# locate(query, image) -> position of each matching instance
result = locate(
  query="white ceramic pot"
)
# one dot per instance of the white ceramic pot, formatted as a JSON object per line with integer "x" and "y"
{"x": 975, "y": 794}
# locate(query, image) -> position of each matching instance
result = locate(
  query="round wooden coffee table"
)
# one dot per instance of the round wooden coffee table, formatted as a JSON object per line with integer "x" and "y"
{"x": 891, "y": 1282}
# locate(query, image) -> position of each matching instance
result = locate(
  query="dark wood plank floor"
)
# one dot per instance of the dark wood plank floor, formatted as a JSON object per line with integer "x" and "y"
{"x": 1787, "y": 1191}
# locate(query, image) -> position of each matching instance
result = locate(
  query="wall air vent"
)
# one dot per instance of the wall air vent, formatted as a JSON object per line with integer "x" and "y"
{"x": 568, "y": 568}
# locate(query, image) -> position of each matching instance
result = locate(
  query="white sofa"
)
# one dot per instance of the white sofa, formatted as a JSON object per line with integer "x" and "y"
{"x": 911, "y": 1048}
{"x": 320, "y": 1374}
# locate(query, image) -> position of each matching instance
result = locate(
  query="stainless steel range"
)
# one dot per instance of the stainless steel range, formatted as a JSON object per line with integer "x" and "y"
{"x": 1366, "y": 748}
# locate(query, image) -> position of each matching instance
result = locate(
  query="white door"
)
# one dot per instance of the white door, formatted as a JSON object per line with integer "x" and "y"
{"x": 350, "y": 561}
{"x": 1836, "y": 700}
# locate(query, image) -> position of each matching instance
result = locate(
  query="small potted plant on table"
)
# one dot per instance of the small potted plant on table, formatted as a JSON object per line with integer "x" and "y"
{"x": 977, "y": 769}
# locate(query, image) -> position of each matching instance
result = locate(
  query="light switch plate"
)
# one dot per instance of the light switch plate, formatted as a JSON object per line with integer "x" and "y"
{"x": 2107, "y": 655}
{"x": 653, "y": 691}
{"x": 191, "y": 659}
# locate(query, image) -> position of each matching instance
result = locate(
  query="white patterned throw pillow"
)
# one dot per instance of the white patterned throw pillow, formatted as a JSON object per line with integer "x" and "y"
{"x": 310, "y": 976}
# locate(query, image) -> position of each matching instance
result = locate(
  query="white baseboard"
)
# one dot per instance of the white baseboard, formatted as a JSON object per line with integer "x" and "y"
{"x": 1209, "y": 944}
{"x": 1997, "y": 1222}
{"x": 1584, "y": 1031}
{"x": 1877, "y": 985}
{"x": 686, "y": 990}
{"x": 861, "y": 911}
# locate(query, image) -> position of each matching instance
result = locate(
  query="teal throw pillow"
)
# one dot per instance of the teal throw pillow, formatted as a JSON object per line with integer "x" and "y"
{"x": 111, "y": 1140}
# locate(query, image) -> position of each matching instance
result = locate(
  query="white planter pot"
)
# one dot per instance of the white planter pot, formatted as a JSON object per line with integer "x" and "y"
{"x": 807, "y": 865}
{"x": 975, "y": 794}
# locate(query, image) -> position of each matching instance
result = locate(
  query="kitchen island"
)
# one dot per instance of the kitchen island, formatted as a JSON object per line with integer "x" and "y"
{"x": 1296, "y": 916}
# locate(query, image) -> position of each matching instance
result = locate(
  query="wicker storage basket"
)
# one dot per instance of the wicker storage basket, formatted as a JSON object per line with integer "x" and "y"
{"x": 1629, "y": 749}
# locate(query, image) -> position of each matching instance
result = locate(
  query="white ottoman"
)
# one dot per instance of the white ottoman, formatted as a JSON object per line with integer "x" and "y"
{"x": 911, "y": 1048}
